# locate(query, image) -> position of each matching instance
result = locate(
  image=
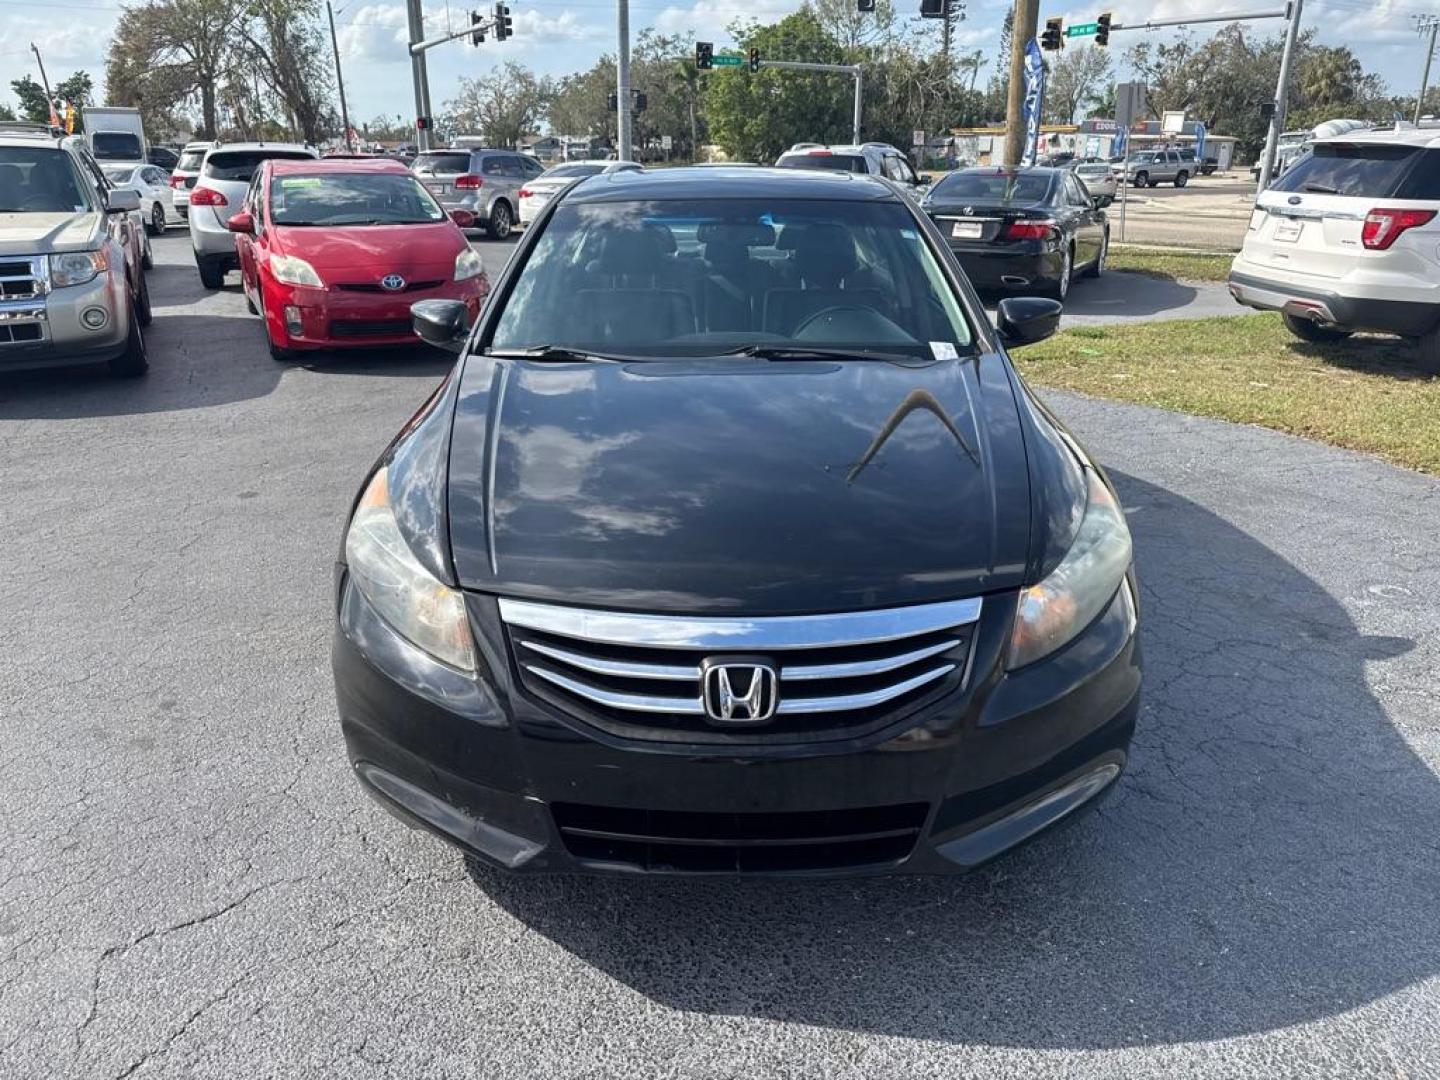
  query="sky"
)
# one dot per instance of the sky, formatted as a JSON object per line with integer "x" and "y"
{"x": 559, "y": 38}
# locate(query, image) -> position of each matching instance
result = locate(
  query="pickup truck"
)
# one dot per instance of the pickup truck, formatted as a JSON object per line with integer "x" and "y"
{"x": 72, "y": 284}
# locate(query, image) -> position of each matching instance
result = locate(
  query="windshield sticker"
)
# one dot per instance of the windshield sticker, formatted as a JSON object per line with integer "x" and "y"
{"x": 293, "y": 182}
{"x": 943, "y": 350}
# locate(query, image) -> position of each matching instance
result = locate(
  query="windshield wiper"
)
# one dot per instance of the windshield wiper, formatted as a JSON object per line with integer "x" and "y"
{"x": 559, "y": 352}
{"x": 1322, "y": 189}
{"x": 809, "y": 352}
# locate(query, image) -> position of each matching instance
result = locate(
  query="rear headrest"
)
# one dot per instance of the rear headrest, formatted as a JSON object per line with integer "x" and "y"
{"x": 635, "y": 251}
{"x": 737, "y": 233}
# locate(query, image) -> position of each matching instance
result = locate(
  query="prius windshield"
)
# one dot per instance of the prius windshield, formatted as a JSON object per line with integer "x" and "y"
{"x": 351, "y": 199}
{"x": 707, "y": 277}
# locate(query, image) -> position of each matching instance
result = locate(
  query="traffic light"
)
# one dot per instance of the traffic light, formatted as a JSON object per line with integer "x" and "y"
{"x": 503, "y": 22}
{"x": 864, "y": 5}
{"x": 704, "y": 55}
{"x": 932, "y": 9}
{"x": 1053, "y": 40}
{"x": 1102, "y": 34}
{"x": 613, "y": 101}
{"x": 754, "y": 58}
{"x": 477, "y": 29}
{"x": 422, "y": 123}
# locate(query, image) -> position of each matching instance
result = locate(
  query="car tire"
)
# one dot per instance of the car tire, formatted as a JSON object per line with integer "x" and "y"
{"x": 1096, "y": 268}
{"x": 1142, "y": 179}
{"x": 1311, "y": 331}
{"x": 1182, "y": 178}
{"x": 249, "y": 304}
{"x": 143, "y": 314}
{"x": 277, "y": 353}
{"x": 502, "y": 221}
{"x": 1427, "y": 352}
{"x": 147, "y": 257}
{"x": 156, "y": 225}
{"x": 1059, "y": 288}
{"x": 134, "y": 361}
{"x": 211, "y": 276}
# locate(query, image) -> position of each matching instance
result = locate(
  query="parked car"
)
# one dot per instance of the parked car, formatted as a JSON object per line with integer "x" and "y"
{"x": 333, "y": 253}
{"x": 1150, "y": 168}
{"x": 1349, "y": 239}
{"x": 1197, "y": 166}
{"x": 1021, "y": 230}
{"x": 185, "y": 175}
{"x": 871, "y": 158}
{"x": 163, "y": 157}
{"x": 669, "y": 575}
{"x": 486, "y": 183}
{"x": 531, "y": 198}
{"x": 72, "y": 288}
{"x": 225, "y": 176}
{"x": 153, "y": 187}
{"x": 1099, "y": 179}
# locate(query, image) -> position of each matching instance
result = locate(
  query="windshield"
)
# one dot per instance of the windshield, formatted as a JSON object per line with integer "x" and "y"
{"x": 430, "y": 164}
{"x": 1369, "y": 170}
{"x": 190, "y": 161}
{"x": 351, "y": 199}
{"x": 704, "y": 277}
{"x": 826, "y": 160}
{"x": 994, "y": 187}
{"x": 240, "y": 165}
{"x": 41, "y": 181}
{"x": 116, "y": 146}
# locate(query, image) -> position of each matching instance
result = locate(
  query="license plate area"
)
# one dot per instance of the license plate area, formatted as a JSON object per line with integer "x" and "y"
{"x": 967, "y": 230}
{"x": 1287, "y": 232}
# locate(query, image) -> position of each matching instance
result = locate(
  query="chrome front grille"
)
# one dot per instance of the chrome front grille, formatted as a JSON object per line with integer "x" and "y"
{"x": 22, "y": 279}
{"x": 836, "y": 676}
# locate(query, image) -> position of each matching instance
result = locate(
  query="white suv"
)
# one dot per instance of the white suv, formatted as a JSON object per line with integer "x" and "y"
{"x": 1349, "y": 239}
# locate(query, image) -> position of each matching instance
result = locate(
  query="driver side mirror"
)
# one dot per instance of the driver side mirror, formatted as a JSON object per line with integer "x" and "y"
{"x": 442, "y": 323}
{"x": 121, "y": 200}
{"x": 1102, "y": 201}
{"x": 1024, "y": 320}
{"x": 243, "y": 222}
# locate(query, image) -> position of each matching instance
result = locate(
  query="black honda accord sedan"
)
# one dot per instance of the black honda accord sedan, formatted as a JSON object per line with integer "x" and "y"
{"x": 734, "y": 543}
{"x": 1028, "y": 230}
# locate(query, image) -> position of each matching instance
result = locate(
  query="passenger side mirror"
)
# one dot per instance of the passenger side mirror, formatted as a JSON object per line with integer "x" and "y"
{"x": 242, "y": 222}
{"x": 1021, "y": 320}
{"x": 122, "y": 200}
{"x": 1102, "y": 201}
{"x": 463, "y": 218}
{"x": 442, "y": 323}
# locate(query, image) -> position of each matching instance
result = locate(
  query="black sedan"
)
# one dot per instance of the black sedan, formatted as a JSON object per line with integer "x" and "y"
{"x": 1021, "y": 230}
{"x": 734, "y": 543}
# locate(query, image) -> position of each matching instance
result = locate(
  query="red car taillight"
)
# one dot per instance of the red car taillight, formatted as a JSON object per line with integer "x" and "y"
{"x": 204, "y": 196}
{"x": 1383, "y": 227}
{"x": 177, "y": 181}
{"x": 1027, "y": 230}
{"x": 468, "y": 182}
{"x": 523, "y": 193}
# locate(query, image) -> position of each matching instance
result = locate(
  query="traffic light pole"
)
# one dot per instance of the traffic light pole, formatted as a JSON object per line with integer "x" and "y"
{"x": 415, "y": 17}
{"x": 1027, "y": 17}
{"x": 339, "y": 77}
{"x": 853, "y": 70}
{"x": 1432, "y": 24}
{"x": 1282, "y": 91}
{"x": 625, "y": 151}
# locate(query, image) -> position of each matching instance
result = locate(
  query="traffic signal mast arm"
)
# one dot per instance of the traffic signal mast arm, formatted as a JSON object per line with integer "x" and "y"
{"x": 476, "y": 27}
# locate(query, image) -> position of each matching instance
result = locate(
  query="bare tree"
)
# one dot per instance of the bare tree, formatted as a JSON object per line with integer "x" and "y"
{"x": 1075, "y": 80}
{"x": 504, "y": 105}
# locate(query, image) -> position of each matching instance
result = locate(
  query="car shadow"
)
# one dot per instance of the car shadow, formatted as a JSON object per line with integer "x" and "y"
{"x": 1368, "y": 354}
{"x": 1269, "y": 858}
{"x": 1120, "y": 293}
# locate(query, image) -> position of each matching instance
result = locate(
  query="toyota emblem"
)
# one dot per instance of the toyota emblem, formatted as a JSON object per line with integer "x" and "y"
{"x": 393, "y": 282}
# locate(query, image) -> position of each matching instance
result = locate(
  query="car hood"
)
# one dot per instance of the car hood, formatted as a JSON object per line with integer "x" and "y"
{"x": 42, "y": 234}
{"x": 738, "y": 485}
{"x": 374, "y": 249}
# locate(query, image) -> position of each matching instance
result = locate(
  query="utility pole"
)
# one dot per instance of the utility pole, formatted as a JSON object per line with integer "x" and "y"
{"x": 1432, "y": 24}
{"x": 415, "y": 17}
{"x": 625, "y": 152}
{"x": 1282, "y": 94}
{"x": 339, "y": 78}
{"x": 49, "y": 100}
{"x": 1027, "y": 16}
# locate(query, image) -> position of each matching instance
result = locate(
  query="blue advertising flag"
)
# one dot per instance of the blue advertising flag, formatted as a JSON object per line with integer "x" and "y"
{"x": 1034, "y": 98}
{"x": 1199, "y": 141}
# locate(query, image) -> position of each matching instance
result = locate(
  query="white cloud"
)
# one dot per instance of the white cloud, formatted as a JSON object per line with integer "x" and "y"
{"x": 377, "y": 33}
{"x": 709, "y": 18}
{"x": 533, "y": 27}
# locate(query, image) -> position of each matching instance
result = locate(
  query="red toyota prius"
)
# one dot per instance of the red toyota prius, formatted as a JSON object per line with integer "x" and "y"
{"x": 333, "y": 253}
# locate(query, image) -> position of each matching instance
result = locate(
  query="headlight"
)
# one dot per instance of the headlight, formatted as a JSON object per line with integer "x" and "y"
{"x": 77, "y": 267}
{"x": 424, "y": 611}
{"x": 1079, "y": 589}
{"x": 292, "y": 271}
{"x": 468, "y": 264}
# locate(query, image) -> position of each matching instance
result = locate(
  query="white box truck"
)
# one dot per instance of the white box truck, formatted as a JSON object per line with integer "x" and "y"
{"x": 115, "y": 134}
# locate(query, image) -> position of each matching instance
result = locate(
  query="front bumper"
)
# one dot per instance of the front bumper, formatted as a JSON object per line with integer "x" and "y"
{"x": 521, "y": 786}
{"x": 1404, "y": 317}
{"x": 338, "y": 319}
{"x": 47, "y": 331}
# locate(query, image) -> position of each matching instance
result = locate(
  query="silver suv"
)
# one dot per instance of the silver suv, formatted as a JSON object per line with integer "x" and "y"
{"x": 485, "y": 182}
{"x": 225, "y": 176}
{"x": 871, "y": 158}
{"x": 1149, "y": 168}
{"x": 72, "y": 288}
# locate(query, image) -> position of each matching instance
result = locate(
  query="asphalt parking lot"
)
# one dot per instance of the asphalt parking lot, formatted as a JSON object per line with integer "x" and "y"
{"x": 192, "y": 885}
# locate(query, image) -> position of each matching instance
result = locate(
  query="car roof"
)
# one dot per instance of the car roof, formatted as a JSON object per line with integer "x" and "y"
{"x": 1018, "y": 170}
{"x": 1405, "y": 136}
{"x": 289, "y": 148}
{"x": 30, "y": 138}
{"x": 310, "y": 167}
{"x": 721, "y": 182}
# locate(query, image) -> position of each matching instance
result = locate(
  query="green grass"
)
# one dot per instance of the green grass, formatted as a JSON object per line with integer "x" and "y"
{"x": 1174, "y": 265}
{"x": 1365, "y": 393}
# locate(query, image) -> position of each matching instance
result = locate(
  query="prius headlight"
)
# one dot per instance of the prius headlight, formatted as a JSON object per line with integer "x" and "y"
{"x": 1054, "y": 611}
{"x": 294, "y": 271}
{"x": 468, "y": 264}
{"x": 422, "y": 609}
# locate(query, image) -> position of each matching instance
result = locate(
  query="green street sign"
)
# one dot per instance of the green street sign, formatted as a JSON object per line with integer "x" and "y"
{"x": 1084, "y": 29}
{"x": 728, "y": 61}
